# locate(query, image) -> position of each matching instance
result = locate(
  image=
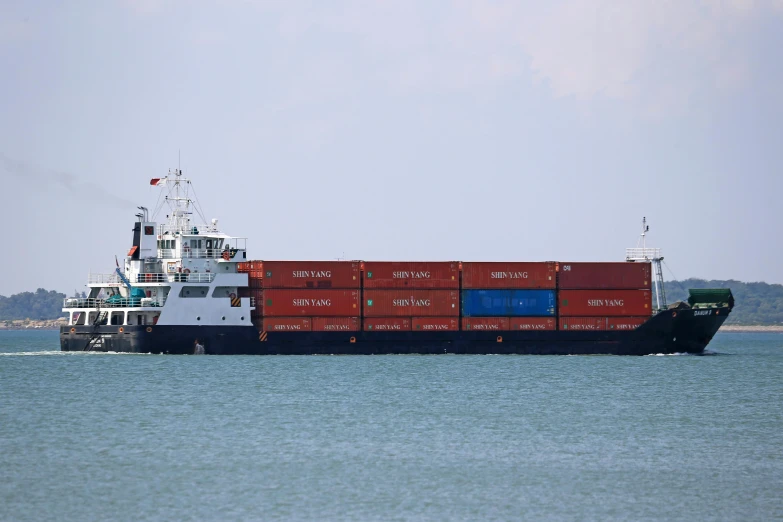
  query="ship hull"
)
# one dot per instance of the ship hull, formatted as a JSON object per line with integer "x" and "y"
{"x": 682, "y": 331}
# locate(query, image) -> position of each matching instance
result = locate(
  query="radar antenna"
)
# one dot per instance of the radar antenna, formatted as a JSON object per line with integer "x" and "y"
{"x": 650, "y": 255}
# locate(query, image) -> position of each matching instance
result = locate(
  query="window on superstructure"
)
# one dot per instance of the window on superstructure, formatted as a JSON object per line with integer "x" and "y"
{"x": 193, "y": 291}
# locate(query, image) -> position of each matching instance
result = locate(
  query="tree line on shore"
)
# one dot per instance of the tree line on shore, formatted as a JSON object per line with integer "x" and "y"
{"x": 756, "y": 303}
{"x": 38, "y": 305}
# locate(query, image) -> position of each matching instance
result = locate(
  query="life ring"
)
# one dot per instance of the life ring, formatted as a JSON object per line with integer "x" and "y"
{"x": 149, "y": 329}
{"x": 121, "y": 329}
{"x": 226, "y": 255}
{"x": 232, "y": 295}
{"x": 674, "y": 314}
{"x": 186, "y": 271}
{"x": 73, "y": 330}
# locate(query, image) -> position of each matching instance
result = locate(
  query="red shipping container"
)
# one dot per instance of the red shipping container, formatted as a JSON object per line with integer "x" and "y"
{"x": 508, "y": 275}
{"x": 604, "y": 302}
{"x": 485, "y": 323}
{"x": 311, "y": 274}
{"x": 251, "y": 267}
{"x": 582, "y": 324}
{"x": 387, "y": 324}
{"x": 335, "y": 324}
{"x": 431, "y": 324}
{"x": 305, "y": 302}
{"x": 625, "y": 323}
{"x": 428, "y": 303}
{"x": 287, "y": 324}
{"x": 623, "y": 275}
{"x": 255, "y": 282}
{"x": 532, "y": 323}
{"x": 411, "y": 274}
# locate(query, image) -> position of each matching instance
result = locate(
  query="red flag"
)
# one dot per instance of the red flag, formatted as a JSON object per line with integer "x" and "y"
{"x": 155, "y": 181}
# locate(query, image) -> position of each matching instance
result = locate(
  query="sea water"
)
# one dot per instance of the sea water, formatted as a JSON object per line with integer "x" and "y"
{"x": 87, "y": 436}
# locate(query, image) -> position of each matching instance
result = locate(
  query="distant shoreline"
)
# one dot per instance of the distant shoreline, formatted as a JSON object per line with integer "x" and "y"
{"x": 750, "y": 328}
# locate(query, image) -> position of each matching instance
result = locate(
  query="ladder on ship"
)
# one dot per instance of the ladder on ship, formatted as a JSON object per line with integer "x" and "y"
{"x": 659, "y": 290}
{"x": 95, "y": 335}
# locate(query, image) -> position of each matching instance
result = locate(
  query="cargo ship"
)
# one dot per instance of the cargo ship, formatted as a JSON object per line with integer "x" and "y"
{"x": 185, "y": 287}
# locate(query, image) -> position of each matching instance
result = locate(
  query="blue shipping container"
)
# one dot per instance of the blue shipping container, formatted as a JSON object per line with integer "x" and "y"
{"x": 508, "y": 303}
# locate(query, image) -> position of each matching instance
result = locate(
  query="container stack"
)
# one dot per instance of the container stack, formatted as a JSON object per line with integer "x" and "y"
{"x": 411, "y": 296}
{"x": 308, "y": 296}
{"x": 604, "y": 296}
{"x": 254, "y": 290}
{"x": 508, "y": 296}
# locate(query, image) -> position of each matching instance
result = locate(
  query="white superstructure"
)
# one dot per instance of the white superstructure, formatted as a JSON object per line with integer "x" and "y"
{"x": 178, "y": 273}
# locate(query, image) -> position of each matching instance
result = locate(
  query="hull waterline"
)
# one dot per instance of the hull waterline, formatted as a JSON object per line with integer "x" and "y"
{"x": 681, "y": 331}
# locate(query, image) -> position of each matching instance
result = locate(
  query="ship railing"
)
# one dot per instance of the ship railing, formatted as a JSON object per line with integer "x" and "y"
{"x": 642, "y": 254}
{"x": 179, "y": 277}
{"x": 191, "y": 253}
{"x": 189, "y": 230}
{"x": 208, "y": 253}
{"x": 132, "y": 302}
{"x": 103, "y": 278}
{"x": 151, "y": 278}
{"x": 193, "y": 277}
{"x": 202, "y": 253}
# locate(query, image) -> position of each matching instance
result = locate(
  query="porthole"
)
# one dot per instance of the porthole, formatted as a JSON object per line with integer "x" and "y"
{"x": 198, "y": 318}
{"x": 224, "y": 317}
{"x": 242, "y": 318}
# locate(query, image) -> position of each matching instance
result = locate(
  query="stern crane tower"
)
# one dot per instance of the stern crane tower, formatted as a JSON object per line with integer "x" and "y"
{"x": 653, "y": 255}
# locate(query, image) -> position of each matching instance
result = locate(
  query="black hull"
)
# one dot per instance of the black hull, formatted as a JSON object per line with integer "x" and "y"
{"x": 683, "y": 331}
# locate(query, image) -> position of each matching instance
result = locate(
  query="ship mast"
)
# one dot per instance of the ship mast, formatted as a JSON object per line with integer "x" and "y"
{"x": 179, "y": 201}
{"x": 653, "y": 255}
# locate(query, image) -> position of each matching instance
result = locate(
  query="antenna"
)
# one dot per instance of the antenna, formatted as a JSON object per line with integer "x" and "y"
{"x": 645, "y": 228}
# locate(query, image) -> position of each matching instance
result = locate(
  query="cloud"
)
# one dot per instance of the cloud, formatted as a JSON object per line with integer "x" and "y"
{"x": 631, "y": 50}
{"x": 655, "y": 54}
{"x": 39, "y": 178}
{"x": 145, "y": 7}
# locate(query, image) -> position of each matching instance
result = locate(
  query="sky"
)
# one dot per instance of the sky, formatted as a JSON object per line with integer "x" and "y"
{"x": 393, "y": 130}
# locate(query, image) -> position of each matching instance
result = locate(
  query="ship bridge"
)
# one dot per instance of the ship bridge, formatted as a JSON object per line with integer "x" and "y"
{"x": 179, "y": 272}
